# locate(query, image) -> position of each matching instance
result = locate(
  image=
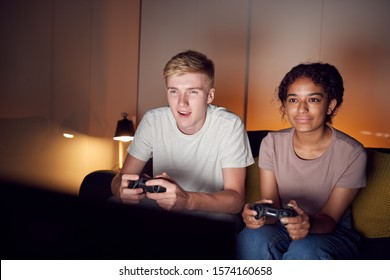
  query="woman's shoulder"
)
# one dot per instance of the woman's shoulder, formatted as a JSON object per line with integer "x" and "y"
{"x": 278, "y": 137}
{"x": 347, "y": 146}
{"x": 345, "y": 139}
{"x": 280, "y": 134}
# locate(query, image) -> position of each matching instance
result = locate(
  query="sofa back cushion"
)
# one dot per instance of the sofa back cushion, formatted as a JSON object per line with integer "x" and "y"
{"x": 252, "y": 182}
{"x": 371, "y": 208}
{"x": 252, "y": 179}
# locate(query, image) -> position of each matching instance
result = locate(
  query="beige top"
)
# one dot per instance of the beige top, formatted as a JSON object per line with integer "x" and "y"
{"x": 310, "y": 182}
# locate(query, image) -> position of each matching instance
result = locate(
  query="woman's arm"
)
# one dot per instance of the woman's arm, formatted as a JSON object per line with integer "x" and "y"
{"x": 329, "y": 216}
{"x": 326, "y": 220}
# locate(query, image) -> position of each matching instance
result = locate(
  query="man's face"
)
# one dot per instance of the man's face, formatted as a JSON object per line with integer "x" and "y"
{"x": 188, "y": 97}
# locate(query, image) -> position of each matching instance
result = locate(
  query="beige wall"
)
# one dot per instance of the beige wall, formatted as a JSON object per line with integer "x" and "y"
{"x": 66, "y": 65}
{"x": 217, "y": 28}
{"x": 351, "y": 34}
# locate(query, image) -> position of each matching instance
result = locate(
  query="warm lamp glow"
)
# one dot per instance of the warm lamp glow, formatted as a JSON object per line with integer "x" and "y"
{"x": 123, "y": 138}
{"x": 124, "y": 130}
{"x": 68, "y": 135}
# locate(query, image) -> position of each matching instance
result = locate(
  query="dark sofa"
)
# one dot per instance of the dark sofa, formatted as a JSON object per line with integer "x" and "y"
{"x": 371, "y": 211}
{"x": 43, "y": 225}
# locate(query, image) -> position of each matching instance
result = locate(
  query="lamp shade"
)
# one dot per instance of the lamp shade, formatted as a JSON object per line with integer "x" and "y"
{"x": 124, "y": 129}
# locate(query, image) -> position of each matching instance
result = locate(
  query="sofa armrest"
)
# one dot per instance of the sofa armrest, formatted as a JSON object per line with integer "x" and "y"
{"x": 97, "y": 185}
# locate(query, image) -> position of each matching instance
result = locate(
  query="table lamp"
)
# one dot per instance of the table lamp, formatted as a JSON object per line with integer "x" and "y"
{"x": 124, "y": 133}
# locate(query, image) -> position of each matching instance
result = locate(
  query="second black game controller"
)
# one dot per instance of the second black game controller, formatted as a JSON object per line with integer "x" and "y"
{"x": 140, "y": 183}
{"x": 268, "y": 210}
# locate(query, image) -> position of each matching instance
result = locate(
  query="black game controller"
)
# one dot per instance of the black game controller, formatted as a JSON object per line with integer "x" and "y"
{"x": 269, "y": 211}
{"x": 140, "y": 183}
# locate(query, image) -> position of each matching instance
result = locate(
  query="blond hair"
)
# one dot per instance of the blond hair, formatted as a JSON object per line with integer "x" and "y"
{"x": 190, "y": 62}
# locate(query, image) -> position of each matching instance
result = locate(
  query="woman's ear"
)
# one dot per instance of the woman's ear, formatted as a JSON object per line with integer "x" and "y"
{"x": 283, "y": 109}
{"x": 331, "y": 106}
{"x": 210, "y": 96}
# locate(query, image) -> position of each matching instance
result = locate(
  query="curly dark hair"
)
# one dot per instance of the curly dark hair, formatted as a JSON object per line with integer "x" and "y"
{"x": 322, "y": 74}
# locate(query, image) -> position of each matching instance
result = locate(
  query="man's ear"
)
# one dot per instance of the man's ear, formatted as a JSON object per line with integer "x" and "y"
{"x": 331, "y": 106}
{"x": 210, "y": 96}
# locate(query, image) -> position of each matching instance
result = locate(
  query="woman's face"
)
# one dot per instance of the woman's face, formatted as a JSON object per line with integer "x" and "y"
{"x": 306, "y": 105}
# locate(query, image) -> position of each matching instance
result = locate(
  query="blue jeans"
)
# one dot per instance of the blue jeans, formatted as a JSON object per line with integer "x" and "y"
{"x": 272, "y": 242}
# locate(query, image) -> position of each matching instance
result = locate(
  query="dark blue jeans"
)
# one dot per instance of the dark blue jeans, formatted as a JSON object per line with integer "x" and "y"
{"x": 272, "y": 242}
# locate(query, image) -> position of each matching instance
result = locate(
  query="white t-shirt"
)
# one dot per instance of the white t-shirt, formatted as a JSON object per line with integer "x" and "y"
{"x": 196, "y": 161}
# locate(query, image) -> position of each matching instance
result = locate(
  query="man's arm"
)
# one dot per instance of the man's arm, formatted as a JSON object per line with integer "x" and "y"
{"x": 230, "y": 200}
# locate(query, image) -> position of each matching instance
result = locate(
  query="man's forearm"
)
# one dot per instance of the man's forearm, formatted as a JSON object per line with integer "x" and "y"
{"x": 227, "y": 201}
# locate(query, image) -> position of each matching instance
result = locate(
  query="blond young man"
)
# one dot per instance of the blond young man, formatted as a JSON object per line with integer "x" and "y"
{"x": 200, "y": 151}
